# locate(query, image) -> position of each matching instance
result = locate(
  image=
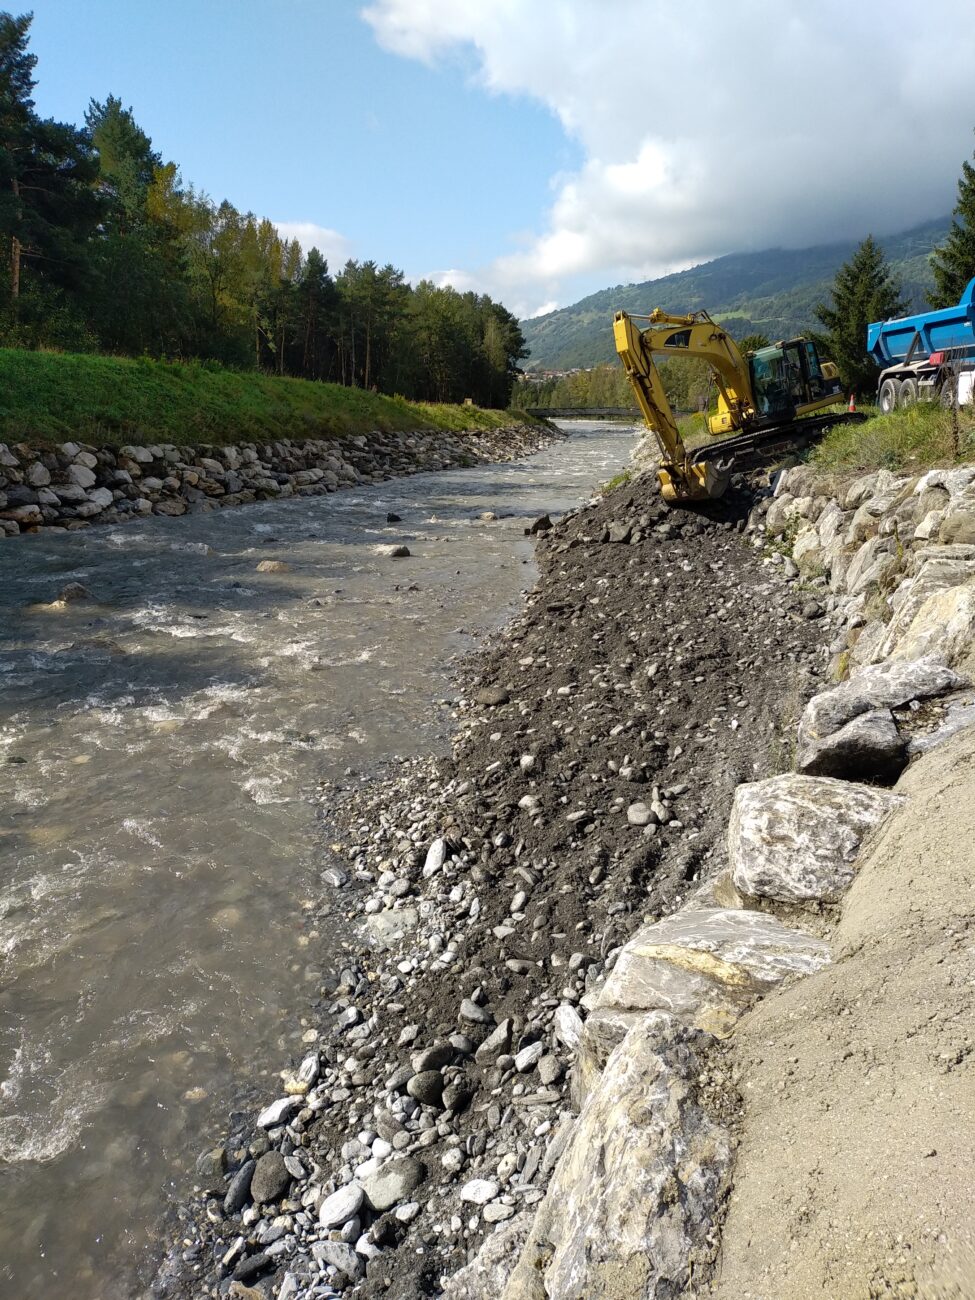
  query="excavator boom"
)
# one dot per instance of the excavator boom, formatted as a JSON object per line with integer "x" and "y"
{"x": 682, "y": 479}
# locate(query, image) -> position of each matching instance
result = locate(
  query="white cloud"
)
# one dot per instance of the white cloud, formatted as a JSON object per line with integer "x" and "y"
{"x": 333, "y": 246}
{"x": 712, "y": 127}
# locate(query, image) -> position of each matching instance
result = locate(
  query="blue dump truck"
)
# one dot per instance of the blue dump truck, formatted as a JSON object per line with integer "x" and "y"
{"x": 928, "y": 357}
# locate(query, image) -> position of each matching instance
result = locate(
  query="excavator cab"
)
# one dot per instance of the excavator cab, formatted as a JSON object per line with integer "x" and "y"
{"x": 788, "y": 380}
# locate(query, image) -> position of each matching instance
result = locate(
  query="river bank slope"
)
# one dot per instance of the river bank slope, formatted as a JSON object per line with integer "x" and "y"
{"x": 598, "y": 747}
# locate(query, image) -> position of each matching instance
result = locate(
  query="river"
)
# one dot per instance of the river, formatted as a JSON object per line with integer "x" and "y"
{"x": 160, "y": 746}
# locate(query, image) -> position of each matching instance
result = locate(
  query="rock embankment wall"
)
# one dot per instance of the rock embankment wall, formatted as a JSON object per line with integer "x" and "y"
{"x": 636, "y": 1204}
{"x": 74, "y": 484}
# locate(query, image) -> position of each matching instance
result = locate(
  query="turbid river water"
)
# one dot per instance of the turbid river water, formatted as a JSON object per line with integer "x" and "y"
{"x": 160, "y": 746}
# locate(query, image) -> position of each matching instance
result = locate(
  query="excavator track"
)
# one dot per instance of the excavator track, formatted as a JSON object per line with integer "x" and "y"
{"x": 754, "y": 449}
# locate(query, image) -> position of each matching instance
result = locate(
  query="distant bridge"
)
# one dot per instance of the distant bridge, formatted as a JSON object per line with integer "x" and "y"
{"x": 585, "y": 412}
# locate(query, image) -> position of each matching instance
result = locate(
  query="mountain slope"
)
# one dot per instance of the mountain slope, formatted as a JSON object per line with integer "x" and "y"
{"x": 774, "y": 292}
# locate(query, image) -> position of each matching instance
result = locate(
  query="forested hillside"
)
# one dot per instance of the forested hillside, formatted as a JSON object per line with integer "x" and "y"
{"x": 108, "y": 249}
{"x": 774, "y": 292}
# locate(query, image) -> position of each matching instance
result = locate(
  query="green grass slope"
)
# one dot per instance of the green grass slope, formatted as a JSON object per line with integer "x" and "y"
{"x": 774, "y": 292}
{"x": 52, "y": 397}
{"x": 917, "y": 438}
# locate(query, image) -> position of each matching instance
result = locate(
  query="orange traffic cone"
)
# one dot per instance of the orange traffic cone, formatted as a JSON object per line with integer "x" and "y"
{"x": 853, "y": 404}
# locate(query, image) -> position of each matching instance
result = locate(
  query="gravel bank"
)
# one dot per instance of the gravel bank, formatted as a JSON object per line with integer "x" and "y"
{"x": 660, "y": 661}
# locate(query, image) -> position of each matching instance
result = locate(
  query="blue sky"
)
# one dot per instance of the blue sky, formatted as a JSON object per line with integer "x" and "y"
{"x": 535, "y": 149}
{"x": 294, "y": 111}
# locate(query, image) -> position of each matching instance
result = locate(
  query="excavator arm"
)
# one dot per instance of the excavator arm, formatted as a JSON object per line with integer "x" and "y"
{"x": 682, "y": 479}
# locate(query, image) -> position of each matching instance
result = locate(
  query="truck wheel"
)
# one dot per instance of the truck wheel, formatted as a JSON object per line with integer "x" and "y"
{"x": 948, "y": 391}
{"x": 908, "y": 393}
{"x": 887, "y": 399}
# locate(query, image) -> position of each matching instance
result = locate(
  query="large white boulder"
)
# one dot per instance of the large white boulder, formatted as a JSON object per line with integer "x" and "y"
{"x": 632, "y": 1204}
{"x": 794, "y": 839}
{"x": 703, "y": 965}
{"x": 944, "y": 627}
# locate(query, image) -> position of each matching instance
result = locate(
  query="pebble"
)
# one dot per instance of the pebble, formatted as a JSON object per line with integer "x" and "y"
{"x": 271, "y": 1178}
{"x": 432, "y": 1058}
{"x": 436, "y": 854}
{"x": 479, "y": 1191}
{"x": 341, "y": 1206}
{"x": 393, "y": 1182}
{"x": 549, "y": 1069}
{"x": 497, "y": 1212}
{"x": 341, "y": 1256}
{"x": 279, "y": 1112}
{"x": 568, "y": 1026}
{"x": 427, "y": 1088}
{"x": 638, "y": 814}
{"x": 239, "y": 1189}
{"x": 492, "y": 696}
{"x": 469, "y": 1010}
{"x": 528, "y": 1057}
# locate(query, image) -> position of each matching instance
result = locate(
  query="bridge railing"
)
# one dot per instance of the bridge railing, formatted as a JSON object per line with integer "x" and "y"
{"x": 585, "y": 412}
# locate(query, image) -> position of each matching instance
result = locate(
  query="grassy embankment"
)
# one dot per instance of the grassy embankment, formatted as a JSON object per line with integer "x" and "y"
{"x": 918, "y": 438}
{"x": 48, "y": 397}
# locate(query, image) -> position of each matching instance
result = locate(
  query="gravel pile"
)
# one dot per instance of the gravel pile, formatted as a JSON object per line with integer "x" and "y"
{"x": 660, "y": 661}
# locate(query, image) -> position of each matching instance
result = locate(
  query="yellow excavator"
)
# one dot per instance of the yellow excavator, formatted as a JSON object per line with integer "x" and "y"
{"x": 766, "y": 398}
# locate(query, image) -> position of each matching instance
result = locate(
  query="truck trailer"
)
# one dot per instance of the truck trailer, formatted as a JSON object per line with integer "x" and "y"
{"x": 927, "y": 357}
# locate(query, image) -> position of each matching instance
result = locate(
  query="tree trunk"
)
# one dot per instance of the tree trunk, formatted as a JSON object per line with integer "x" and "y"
{"x": 15, "y": 250}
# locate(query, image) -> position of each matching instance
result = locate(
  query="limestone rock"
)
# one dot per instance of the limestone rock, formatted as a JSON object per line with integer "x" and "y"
{"x": 944, "y": 627}
{"x": 806, "y": 550}
{"x": 702, "y": 965}
{"x": 486, "y": 1276}
{"x": 868, "y": 748}
{"x": 273, "y": 566}
{"x": 631, "y": 1206}
{"x": 936, "y": 572}
{"x": 81, "y": 475}
{"x": 795, "y": 838}
{"x": 882, "y": 686}
{"x": 958, "y": 526}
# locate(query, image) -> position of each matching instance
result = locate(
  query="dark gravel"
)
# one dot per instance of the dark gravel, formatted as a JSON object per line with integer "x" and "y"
{"x": 659, "y": 662}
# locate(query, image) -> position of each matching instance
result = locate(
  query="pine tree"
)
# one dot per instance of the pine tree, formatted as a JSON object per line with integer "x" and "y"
{"x": 48, "y": 204}
{"x": 953, "y": 263}
{"x": 864, "y": 291}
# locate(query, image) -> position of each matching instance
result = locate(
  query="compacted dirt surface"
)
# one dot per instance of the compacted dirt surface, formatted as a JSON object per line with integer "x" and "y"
{"x": 854, "y": 1172}
{"x": 660, "y": 661}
